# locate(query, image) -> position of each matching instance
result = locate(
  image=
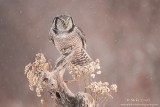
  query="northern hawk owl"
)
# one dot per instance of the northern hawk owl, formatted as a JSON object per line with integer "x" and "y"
{"x": 65, "y": 34}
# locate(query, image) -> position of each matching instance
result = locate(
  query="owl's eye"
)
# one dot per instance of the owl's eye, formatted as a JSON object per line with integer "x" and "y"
{"x": 68, "y": 21}
{"x": 62, "y": 21}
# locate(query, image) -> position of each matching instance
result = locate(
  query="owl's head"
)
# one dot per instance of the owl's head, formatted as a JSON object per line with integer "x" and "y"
{"x": 63, "y": 23}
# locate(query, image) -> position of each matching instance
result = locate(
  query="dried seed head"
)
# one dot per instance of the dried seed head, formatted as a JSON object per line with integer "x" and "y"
{"x": 114, "y": 87}
{"x": 42, "y": 101}
{"x": 34, "y": 73}
{"x": 93, "y": 75}
{"x": 98, "y": 72}
{"x": 102, "y": 88}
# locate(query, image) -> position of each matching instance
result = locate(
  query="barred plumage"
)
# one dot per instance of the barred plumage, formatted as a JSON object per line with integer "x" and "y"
{"x": 64, "y": 35}
{"x": 81, "y": 58}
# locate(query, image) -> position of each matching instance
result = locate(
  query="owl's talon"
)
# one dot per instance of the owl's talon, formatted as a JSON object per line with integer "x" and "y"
{"x": 62, "y": 51}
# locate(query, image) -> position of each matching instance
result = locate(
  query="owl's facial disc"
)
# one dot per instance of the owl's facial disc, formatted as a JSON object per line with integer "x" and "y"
{"x": 64, "y": 24}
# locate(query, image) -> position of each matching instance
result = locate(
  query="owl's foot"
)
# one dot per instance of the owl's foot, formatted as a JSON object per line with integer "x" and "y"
{"x": 67, "y": 50}
{"x": 62, "y": 51}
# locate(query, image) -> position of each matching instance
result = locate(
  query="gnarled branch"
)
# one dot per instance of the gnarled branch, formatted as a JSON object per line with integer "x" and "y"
{"x": 39, "y": 74}
{"x": 56, "y": 86}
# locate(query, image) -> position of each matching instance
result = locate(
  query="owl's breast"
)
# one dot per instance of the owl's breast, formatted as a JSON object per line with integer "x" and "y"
{"x": 64, "y": 41}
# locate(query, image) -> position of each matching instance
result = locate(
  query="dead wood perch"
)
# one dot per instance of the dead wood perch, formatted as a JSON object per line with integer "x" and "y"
{"x": 41, "y": 76}
{"x": 56, "y": 86}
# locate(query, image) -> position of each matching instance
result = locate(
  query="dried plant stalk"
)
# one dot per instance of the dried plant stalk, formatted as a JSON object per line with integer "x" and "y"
{"x": 40, "y": 76}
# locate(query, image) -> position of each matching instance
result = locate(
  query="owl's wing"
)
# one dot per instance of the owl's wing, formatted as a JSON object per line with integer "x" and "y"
{"x": 81, "y": 57}
{"x": 51, "y": 34}
{"x": 81, "y": 35}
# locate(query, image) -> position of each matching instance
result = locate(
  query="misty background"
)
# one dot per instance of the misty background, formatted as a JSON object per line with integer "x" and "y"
{"x": 123, "y": 34}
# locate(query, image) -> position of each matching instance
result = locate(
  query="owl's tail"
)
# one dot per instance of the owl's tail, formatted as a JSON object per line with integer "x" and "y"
{"x": 81, "y": 58}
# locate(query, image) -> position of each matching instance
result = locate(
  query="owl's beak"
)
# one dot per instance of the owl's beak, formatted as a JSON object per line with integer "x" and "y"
{"x": 66, "y": 24}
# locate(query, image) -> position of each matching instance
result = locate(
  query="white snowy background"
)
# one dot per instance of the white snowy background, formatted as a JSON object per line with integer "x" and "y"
{"x": 123, "y": 34}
